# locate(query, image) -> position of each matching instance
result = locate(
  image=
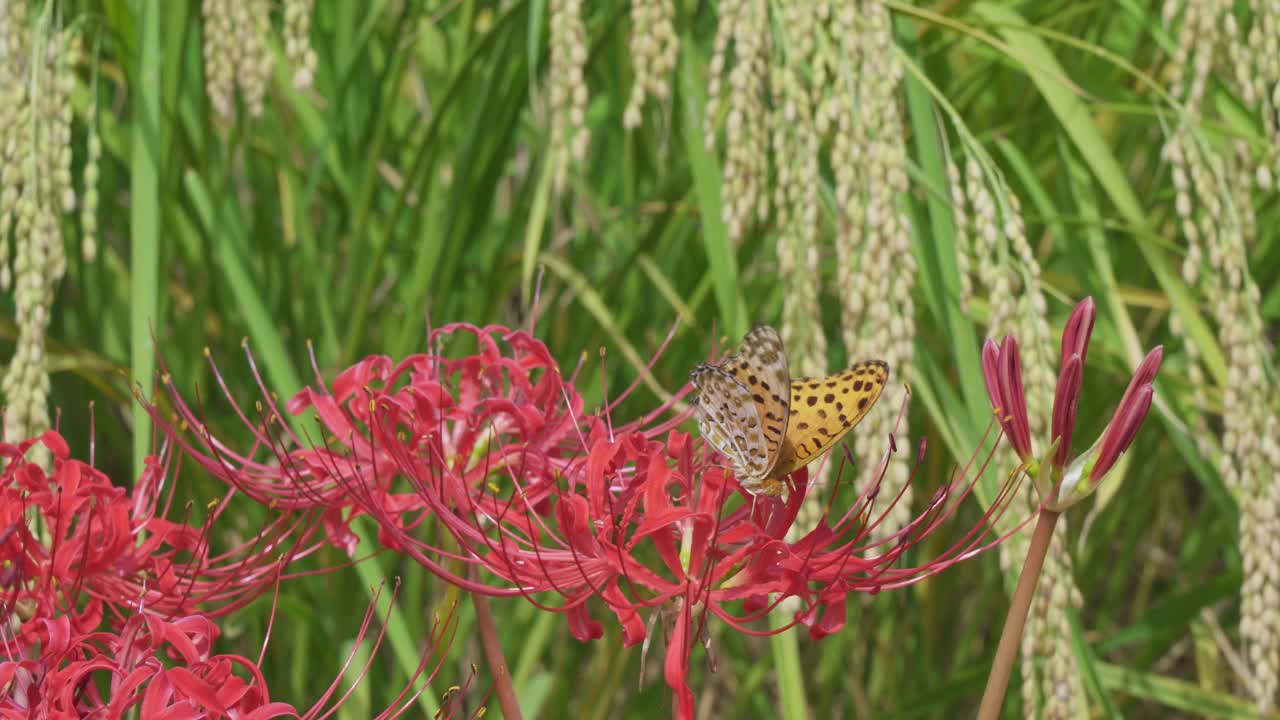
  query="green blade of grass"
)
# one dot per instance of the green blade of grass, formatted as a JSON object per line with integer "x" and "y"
{"x": 595, "y": 305}
{"x": 1177, "y": 694}
{"x": 786, "y": 663}
{"x": 1088, "y": 663}
{"x": 144, "y": 218}
{"x": 666, "y": 289}
{"x": 264, "y": 334}
{"x": 706, "y": 182}
{"x": 533, "y": 230}
{"x": 404, "y": 646}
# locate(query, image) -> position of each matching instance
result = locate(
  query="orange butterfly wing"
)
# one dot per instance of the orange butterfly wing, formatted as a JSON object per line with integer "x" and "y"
{"x": 824, "y": 410}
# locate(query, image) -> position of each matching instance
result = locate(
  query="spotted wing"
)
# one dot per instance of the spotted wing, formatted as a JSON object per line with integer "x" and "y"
{"x": 761, "y": 367}
{"x": 728, "y": 420}
{"x": 823, "y": 410}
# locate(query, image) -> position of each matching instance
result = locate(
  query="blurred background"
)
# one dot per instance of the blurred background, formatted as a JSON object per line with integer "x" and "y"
{"x": 876, "y": 179}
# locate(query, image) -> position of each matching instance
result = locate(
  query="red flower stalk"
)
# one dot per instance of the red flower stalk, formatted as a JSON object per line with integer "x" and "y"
{"x": 494, "y": 448}
{"x": 1058, "y": 481}
{"x": 1002, "y": 371}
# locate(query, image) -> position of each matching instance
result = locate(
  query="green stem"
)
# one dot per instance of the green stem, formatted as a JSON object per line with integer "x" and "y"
{"x": 786, "y": 663}
{"x": 144, "y": 221}
{"x": 1002, "y": 666}
{"x": 502, "y": 686}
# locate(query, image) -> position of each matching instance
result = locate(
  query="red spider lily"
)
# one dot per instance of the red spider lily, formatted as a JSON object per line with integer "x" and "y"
{"x": 494, "y": 448}
{"x": 517, "y": 413}
{"x": 1002, "y": 370}
{"x": 725, "y": 553}
{"x": 75, "y": 547}
{"x": 159, "y": 667}
{"x": 76, "y": 550}
{"x": 165, "y": 668}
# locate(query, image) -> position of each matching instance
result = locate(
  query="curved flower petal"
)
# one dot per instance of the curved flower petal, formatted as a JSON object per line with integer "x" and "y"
{"x": 1002, "y": 371}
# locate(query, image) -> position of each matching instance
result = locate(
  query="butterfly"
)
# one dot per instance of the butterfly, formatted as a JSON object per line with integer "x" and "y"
{"x": 769, "y": 425}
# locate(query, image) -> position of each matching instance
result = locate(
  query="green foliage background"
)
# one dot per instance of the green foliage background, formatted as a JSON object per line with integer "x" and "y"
{"x": 415, "y": 177}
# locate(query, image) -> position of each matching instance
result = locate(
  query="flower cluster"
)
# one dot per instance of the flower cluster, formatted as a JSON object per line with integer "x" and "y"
{"x": 485, "y": 470}
{"x": 1060, "y": 482}
{"x": 161, "y": 668}
{"x": 75, "y": 546}
{"x": 165, "y": 667}
{"x": 108, "y": 607}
